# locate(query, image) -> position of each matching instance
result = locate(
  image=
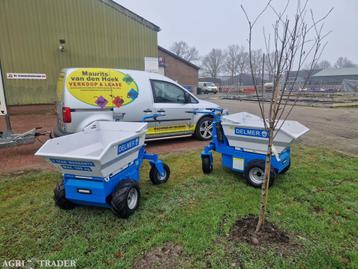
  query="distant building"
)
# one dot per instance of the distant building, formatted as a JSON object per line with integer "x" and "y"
{"x": 216, "y": 81}
{"x": 302, "y": 76}
{"x": 335, "y": 76}
{"x": 178, "y": 69}
{"x": 241, "y": 80}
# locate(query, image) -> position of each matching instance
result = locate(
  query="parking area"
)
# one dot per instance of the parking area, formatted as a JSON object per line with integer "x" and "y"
{"x": 19, "y": 159}
{"x": 333, "y": 128}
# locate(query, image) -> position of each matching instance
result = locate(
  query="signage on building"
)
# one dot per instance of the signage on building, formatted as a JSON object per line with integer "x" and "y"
{"x": 32, "y": 76}
{"x": 151, "y": 64}
{"x": 161, "y": 61}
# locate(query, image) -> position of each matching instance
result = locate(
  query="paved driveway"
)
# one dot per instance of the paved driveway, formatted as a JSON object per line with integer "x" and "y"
{"x": 335, "y": 128}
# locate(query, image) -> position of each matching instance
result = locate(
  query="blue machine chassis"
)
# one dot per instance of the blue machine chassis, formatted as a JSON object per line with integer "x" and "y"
{"x": 96, "y": 191}
{"x": 220, "y": 144}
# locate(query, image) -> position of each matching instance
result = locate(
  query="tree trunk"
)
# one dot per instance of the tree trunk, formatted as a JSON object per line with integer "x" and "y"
{"x": 265, "y": 184}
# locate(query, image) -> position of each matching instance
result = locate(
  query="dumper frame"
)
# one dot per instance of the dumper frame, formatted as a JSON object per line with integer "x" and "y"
{"x": 119, "y": 191}
{"x": 99, "y": 191}
{"x": 251, "y": 164}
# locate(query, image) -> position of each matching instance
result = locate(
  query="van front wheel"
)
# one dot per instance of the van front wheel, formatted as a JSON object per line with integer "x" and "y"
{"x": 204, "y": 128}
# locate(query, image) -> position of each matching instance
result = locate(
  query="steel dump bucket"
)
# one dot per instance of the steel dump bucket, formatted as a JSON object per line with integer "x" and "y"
{"x": 100, "y": 150}
{"x": 246, "y": 131}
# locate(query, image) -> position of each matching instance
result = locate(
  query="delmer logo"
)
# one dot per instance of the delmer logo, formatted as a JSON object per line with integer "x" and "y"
{"x": 251, "y": 132}
{"x": 127, "y": 145}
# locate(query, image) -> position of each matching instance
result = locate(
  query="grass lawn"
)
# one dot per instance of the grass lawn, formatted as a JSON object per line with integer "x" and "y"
{"x": 315, "y": 202}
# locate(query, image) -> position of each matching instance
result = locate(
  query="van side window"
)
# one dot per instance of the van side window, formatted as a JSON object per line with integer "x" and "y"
{"x": 165, "y": 92}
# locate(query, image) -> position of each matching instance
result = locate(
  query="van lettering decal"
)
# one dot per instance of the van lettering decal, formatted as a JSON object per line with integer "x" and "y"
{"x": 100, "y": 87}
{"x": 171, "y": 129}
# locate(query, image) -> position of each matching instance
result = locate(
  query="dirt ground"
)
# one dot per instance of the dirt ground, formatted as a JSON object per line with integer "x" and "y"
{"x": 270, "y": 236}
{"x": 335, "y": 128}
{"x": 167, "y": 256}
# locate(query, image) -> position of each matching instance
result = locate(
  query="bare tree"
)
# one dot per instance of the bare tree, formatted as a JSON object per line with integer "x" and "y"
{"x": 294, "y": 42}
{"x": 323, "y": 65}
{"x": 183, "y": 50}
{"x": 232, "y": 60}
{"x": 243, "y": 64}
{"x": 256, "y": 62}
{"x": 270, "y": 58}
{"x": 343, "y": 62}
{"x": 213, "y": 63}
{"x": 320, "y": 65}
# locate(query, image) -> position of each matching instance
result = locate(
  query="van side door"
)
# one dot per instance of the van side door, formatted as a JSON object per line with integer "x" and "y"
{"x": 172, "y": 100}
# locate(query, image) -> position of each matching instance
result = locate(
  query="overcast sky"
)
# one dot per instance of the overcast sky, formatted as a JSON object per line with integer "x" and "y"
{"x": 208, "y": 24}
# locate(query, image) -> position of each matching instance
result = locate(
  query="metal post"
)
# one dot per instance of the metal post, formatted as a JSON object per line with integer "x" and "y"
{"x": 6, "y": 112}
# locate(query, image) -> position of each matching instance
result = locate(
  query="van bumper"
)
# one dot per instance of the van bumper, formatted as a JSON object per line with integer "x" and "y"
{"x": 56, "y": 132}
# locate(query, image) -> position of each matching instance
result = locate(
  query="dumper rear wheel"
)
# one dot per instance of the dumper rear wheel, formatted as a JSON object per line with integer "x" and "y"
{"x": 206, "y": 164}
{"x": 255, "y": 174}
{"x": 155, "y": 176}
{"x": 125, "y": 199}
{"x": 60, "y": 197}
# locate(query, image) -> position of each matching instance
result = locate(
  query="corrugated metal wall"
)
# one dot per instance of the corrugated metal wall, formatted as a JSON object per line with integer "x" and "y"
{"x": 96, "y": 34}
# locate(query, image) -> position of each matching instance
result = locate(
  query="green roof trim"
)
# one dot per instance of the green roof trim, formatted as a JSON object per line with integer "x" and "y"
{"x": 131, "y": 14}
{"x": 348, "y": 71}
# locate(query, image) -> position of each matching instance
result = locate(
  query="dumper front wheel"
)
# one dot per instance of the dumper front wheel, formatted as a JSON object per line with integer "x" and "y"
{"x": 255, "y": 174}
{"x": 125, "y": 199}
{"x": 60, "y": 197}
{"x": 206, "y": 164}
{"x": 155, "y": 176}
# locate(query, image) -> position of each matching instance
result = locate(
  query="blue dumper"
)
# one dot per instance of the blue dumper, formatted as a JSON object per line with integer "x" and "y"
{"x": 100, "y": 166}
{"x": 242, "y": 141}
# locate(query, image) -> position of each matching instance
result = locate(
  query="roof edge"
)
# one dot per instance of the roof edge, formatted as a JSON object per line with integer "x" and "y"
{"x": 131, "y": 14}
{"x": 344, "y": 71}
{"x": 178, "y": 57}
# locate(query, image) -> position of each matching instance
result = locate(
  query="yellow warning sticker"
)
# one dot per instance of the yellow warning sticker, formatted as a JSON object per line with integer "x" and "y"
{"x": 104, "y": 88}
{"x": 238, "y": 163}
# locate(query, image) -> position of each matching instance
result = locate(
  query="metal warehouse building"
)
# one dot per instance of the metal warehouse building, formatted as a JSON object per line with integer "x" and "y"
{"x": 39, "y": 37}
{"x": 335, "y": 75}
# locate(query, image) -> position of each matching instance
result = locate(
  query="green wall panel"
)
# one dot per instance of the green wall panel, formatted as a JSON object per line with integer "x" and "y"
{"x": 96, "y": 34}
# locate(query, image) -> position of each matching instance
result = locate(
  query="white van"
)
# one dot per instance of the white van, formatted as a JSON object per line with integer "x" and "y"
{"x": 207, "y": 87}
{"x": 85, "y": 95}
